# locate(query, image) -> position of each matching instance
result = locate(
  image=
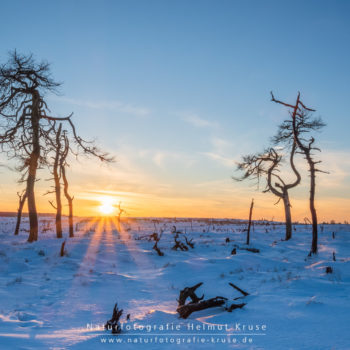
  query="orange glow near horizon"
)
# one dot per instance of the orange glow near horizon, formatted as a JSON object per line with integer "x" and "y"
{"x": 150, "y": 192}
{"x": 104, "y": 204}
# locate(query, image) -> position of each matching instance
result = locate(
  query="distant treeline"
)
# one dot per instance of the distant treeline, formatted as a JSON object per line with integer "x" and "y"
{"x": 10, "y": 214}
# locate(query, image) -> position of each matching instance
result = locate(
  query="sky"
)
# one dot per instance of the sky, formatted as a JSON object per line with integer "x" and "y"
{"x": 179, "y": 90}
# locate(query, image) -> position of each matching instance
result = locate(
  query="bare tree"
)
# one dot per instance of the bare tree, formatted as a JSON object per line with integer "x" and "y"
{"x": 267, "y": 165}
{"x": 57, "y": 146}
{"x": 63, "y": 165}
{"x": 250, "y": 221}
{"x": 26, "y": 128}
{"x": 296, "y": 131}
{"x": 120, "y": 211}
{"x": 21, "y": 200}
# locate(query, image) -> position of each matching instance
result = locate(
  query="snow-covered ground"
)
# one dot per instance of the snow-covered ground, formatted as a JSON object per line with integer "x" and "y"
{"x": 53, "y": 302}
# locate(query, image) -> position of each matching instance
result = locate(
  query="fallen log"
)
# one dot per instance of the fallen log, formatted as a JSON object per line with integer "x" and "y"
{"x": 186, "y": 310}
{"x": 253, "y": 250}
{"x": 197, "y": 304}
{"x": 235, "y": 306}
{"x": 239, "y": 289}
{"x": 189, "y": 292}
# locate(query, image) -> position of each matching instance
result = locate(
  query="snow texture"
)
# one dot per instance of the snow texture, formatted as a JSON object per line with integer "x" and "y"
{"x": 53, "y": 302}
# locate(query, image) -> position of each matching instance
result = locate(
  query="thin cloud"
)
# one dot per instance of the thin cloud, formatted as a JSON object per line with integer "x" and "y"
{"x": 221, "y": 152}
{"x": 160, "y": 157}
{"x": 227, "y": 162}
{"x": 106, "y": 105}
{"x": 197, "y": 121}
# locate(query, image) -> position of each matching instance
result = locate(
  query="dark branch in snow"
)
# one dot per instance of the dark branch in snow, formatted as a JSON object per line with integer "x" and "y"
{"x": 113, "y": 324}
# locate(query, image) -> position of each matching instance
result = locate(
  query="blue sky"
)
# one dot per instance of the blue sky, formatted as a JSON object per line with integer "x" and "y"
{"x": 178, "y": 90}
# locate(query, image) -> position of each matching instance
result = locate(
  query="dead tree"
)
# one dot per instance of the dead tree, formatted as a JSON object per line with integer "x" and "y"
{"x": 177, "y": 242}
{"x": 267, "y": 164}
{"x": 189, "y": 242}
{"x": 26, "y": 128}
{"x": 250, "y": 221}
{"x": 179, "y": 245}
{"x": 57, "y": 146}
{"x": 22, "y": 82}
{"x": 21, "y": 201}
{"x": 61, "y": 150}
{"x": 156, "y": 239}
{"x": 120, "y": 211}
{"x": 296, "y": 130}
{"x": 63, "y": 165}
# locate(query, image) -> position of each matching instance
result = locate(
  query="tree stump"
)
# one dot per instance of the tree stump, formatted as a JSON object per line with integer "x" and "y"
{"x": 113, "y": 324}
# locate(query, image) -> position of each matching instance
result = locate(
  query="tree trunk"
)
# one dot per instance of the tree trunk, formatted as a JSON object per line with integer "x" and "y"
{"x": 58, "y": 207}
{"x": 250, "y": 221}
{"x": 312, "y": 206}
{"x": 56, "y": 177}
{"x": 33, "y": 166}
{"x": 22, "y": 200}
{"x": 288, "y": 215}
{"x": 312, "y": 170}
{"x": 70, "y": 201}
{"x": 70, "y": 218}
{"x": 186, "y": 310}
{"x": 307, "y": 151}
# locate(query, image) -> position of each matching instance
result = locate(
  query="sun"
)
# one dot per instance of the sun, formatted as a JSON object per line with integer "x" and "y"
{"x": 107, "y": 206}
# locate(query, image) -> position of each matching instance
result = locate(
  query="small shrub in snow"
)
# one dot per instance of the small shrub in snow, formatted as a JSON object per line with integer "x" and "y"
{"x": 329, "y": 269}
